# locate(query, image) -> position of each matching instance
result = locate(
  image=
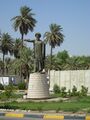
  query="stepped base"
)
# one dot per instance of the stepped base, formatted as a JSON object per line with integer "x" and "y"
{"x": 38, "y": 87}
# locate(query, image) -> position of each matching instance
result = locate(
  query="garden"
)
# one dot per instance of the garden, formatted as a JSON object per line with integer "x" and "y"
{"x": 68, "y": 101}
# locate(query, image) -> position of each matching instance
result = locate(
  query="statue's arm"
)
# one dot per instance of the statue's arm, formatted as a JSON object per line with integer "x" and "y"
{"x": 28, "y": 40}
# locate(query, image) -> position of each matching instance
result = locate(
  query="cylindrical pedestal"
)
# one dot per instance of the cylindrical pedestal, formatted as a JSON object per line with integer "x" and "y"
{"x": 38, "y": 87}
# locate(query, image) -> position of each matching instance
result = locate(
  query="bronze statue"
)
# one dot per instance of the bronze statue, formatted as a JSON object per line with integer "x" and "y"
{"x": 39, "y": 53}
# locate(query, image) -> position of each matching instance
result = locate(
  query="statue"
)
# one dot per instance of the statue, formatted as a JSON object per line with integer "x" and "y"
{"x": 39, "y": 53}
{"x": 38, "y": 87}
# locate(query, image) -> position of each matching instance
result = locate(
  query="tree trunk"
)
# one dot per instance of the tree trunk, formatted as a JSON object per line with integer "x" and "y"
{"x": 6, "y": 70}
{"x": 22, "y": 39}
{"x": 51, "y": 59}
{"x": 3, "y": 64}
{"x": 20, "y": 56}
{"x": 3, "y": 70}
{"x": 21, "y": 73}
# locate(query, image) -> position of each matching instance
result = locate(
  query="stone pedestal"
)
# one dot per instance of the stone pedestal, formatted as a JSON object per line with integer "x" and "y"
{"x": 38, "y": 87}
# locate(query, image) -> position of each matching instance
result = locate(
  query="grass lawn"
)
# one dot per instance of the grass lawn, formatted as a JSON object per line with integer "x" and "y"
{"x": 73, "y": 105}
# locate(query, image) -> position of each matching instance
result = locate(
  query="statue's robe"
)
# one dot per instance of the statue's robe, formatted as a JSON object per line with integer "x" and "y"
{"x": 39, "y": 55}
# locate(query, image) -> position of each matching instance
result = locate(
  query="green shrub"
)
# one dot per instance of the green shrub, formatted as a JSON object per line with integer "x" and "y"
{"x": 1, "y": 87}
{"x": 15, "y": 88}
{"x": 7, "y": 106}
{"x": 88, "y": 110}
{"x": 56, "y": 89}
{"x": 22, "y": 86}
{"x": 3, "y": 96}
{"x": 72, "y": 109}
{"x": 83, "y": 91}
{"x": 69, "y": 93}
{"x": 39, "y": 108}
{"x": 9, "y": 91}
{"x": 74, "y": 91}
{"x": 58, "y": 109}
{"x": 63, "y": 92}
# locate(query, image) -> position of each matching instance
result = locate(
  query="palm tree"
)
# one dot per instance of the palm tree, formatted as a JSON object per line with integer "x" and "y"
{"x": 54, "y": 37}
{"x": 7, "y": 64}
{"x": 62, "y": 58}
{"x": 54, "y": 61}
{"x": 24, "y": 22}
{"x": 24, "y": 64}
{"x": 6, "y": 45}
{"x": 26, "y": 61}
{"x": 16, "y": 48}
{"x": 72, "y": 63}
{"x": 1, "y": 66}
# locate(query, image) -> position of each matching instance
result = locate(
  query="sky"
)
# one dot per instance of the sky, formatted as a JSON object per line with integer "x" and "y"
{"x": 72, "y": 15}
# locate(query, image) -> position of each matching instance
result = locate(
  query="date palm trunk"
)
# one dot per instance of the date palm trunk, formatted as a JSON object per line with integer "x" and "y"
{"x": 3, "y": 64}
{"x": 51, "y": 59}
{"x": 20, "y": 56}
{"x": 22, "y": 39}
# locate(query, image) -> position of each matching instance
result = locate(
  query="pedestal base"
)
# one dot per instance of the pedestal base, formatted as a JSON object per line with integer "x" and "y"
{"x": 38, "y": 87}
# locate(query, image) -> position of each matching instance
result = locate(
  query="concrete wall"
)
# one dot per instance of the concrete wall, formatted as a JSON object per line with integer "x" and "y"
{"x": 69, "y": 78}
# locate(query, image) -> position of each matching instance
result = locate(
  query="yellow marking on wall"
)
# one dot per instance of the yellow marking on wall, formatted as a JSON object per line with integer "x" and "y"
{"x": 60, "y": 117}
{"x": 14, "y": 115}
{"x": 87, "y": 117}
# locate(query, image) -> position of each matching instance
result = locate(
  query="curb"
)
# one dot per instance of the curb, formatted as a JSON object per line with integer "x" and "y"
{"x": 20, "y": 115}
{"x": 45, "y": 116}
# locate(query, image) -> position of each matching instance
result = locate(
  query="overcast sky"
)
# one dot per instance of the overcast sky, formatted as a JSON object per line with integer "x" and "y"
{"x": 72, "y": 15}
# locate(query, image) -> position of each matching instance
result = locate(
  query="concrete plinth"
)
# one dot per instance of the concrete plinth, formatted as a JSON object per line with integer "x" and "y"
{"x": 38, "y": 87}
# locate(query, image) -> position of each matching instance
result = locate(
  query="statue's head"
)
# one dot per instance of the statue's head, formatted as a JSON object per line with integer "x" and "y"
{"x": 37, "y": 35}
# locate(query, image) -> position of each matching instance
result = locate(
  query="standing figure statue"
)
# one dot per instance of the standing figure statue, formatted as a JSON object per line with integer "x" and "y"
{"x": 39, "y": 53}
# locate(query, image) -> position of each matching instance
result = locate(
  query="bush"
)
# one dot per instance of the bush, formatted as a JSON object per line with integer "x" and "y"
{"x": 15, "y": 88}
{"x": 39, "y": 108}
{"x": 56, "y": 89}
{"x": 22, "y": 86}
{"x": 74, "y": 91}
{"x": 63, "y": 92}
{"x": 9, "y": 91}
{"x": 1, "y": 87}
{"x": 7, "y": 106}
{"x": 58, "y": 109}
{"x": 69, "y": 93}
{"x": 88, "y": 110}
{"x": 3, "y": 96}
{"x": 83, "y": 91}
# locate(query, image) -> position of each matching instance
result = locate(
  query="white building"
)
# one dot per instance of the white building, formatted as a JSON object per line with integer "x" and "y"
{"x": 7, "y": 80}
